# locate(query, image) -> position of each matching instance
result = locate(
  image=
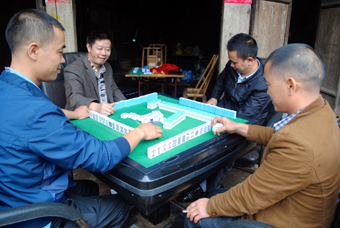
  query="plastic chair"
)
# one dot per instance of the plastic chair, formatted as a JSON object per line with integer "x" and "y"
{"x": 202, "y": 85}
{"x": 41, "y": 210}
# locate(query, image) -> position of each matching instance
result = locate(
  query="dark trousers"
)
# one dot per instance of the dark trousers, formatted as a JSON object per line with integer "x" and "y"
{"x": 216, "y": 222}
{"x": 98, "y": 211}
{"x": 216, "y": 180}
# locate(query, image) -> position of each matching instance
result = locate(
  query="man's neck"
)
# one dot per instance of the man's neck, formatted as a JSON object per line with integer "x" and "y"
{"x": 23, "y": 68}
{"x": 302, "y": 102}
{"x": 252, "y": 69}
{"x": 97, "y": 66}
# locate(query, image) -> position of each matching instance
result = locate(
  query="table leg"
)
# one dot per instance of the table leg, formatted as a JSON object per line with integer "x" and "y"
{"x": 163, "y": 87}
{"x": 175, "y": 87}
{"x": 139, "y": 87}
{"x": 159, "y": 215}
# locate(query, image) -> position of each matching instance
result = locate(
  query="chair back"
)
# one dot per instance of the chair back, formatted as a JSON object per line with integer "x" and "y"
{"x": 203, "y": 83}
{"x": 55, "y": 90}
{"x": 162, "y": 55}
{"x": 336, "y": 220}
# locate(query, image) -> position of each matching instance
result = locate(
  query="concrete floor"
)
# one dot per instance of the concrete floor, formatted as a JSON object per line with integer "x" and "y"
{"x": 176, "y": 219}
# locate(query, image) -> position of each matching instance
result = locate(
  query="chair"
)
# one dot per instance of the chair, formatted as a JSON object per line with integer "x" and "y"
{"x": 154, "y": 56}
{"x": 202, "y": 85}
{"x": 55, "y": 90}
{"x": 336, "y": 221}
{"x": 41, "y": 210}
{"x": 163, "y": 54}
{"x": 255, "y": 156}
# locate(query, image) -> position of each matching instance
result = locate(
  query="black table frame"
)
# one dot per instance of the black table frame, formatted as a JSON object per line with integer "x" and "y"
{"x": 151, "y": 190}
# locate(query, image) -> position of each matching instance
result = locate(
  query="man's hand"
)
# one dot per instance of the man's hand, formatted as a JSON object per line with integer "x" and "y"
{"x": 81, "y": 112}
{"x": 103, "y": 108}
{"x": 145, "y": 131}
{"x": 150, "y": 131}
{"x": 198, "y": 210}
{"x": 230, "y": 126}
{"x": 212, "y": 101}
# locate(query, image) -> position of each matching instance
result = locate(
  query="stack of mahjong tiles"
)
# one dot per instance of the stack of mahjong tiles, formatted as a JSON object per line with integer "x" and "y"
{"x": 231, "y": 114}
{"x": 177, "y": 140}
{"x": 173, "y": 120}
{"x": 154, "y": 116}
{"x": 114, "y": 125}
{"x": 153, "y": 104}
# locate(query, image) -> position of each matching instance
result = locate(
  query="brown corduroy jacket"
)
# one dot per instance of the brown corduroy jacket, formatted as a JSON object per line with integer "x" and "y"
{"x": 297, "y": 184}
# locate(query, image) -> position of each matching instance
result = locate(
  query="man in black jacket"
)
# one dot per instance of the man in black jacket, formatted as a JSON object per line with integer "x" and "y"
{"x": 245, "y": 91}
{"x": 242, "y": 81}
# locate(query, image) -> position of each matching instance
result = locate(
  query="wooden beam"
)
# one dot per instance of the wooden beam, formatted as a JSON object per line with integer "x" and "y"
{"x": 235, "y": 19}
{"x": 39, "y": 5}
{"x": 65, "y": 14}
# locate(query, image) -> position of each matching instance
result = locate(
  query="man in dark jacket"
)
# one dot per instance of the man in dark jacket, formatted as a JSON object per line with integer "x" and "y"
{"x": 242, "y": 81}
{"x": 245, "y": 91}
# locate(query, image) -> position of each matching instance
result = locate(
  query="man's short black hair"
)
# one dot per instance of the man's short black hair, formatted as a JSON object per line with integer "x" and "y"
{"x": 30, "y": 25}
{"x": 97, "y": 35}
{"x": 244, "y": 44}
{"x": 299, "y": 61}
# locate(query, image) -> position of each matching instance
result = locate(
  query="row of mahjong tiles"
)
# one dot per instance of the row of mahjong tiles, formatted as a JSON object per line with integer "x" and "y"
{"x": 168, "y": 123}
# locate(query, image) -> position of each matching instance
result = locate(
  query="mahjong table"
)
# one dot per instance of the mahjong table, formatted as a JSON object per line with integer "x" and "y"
{"x": 150, "y": 184}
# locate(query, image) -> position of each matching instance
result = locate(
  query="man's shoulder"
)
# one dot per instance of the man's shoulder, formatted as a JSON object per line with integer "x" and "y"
{"x": 78, "y": 64}
{"x": 320, "y": 122}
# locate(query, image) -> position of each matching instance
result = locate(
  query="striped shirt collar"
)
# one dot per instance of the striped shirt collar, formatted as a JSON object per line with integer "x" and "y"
{"x": 277, "y": 126}
{"x": 102, "y": 69}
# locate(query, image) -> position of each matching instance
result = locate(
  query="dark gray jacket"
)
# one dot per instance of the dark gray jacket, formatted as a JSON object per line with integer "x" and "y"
{"x": 81, "y": 85}
{"x": 248, "y": 98}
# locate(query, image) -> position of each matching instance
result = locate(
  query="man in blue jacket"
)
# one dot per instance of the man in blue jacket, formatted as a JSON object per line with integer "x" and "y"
{"x": 38, "y": 144}
{"x": 244, "y": 90}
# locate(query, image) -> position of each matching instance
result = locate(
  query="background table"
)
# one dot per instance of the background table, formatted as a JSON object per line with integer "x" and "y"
{"x": 150, "y": 184}
{"x": 140, "y": 75}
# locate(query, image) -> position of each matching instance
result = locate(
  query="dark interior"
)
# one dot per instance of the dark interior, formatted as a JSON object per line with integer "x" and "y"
{"x": 134, "y": 24}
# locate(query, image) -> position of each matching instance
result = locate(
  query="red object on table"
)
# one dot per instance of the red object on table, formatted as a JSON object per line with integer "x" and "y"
{"x": 164, "y": 68}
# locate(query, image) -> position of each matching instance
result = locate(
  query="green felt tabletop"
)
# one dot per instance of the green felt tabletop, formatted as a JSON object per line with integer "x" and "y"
{"x": 139, "y": 154}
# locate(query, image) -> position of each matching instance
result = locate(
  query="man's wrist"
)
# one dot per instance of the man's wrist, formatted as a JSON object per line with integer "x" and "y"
{"x": 140, "y": 133}
{"x": 93, "y": 106}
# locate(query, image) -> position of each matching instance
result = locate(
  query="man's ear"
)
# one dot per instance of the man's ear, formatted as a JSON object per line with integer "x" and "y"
{"x": 32, "y": 51}
{"x": 292, "y": 85}
{"x": 250, "y": 60}
{"x": 88, "y": 47}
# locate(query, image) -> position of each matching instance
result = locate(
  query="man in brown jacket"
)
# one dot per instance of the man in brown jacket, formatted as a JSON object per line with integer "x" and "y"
{"x": 297, "y": 184}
